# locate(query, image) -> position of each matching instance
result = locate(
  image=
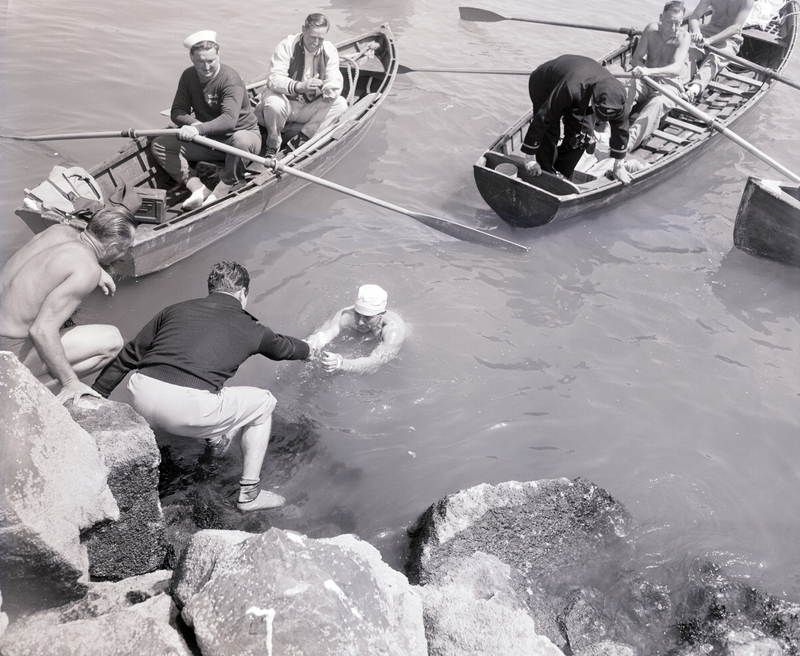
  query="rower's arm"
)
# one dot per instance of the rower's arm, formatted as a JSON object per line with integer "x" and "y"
{"x": 697, "y": 15}
{"x": 640, "y": 54}
{"x": 744, "y": 11}
{"x": 58, "y": 306}
{"x": 675, "y": 68}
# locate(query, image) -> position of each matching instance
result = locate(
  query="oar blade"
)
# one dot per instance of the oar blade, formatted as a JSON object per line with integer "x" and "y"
{"x": 465, "y": 233}
{"x": 404, "y": 69}
{"x": 479, "y": 15}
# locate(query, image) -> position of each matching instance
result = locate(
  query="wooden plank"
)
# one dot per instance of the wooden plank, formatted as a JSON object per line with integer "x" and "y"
{"x": 666, "y": 136}
{"x": 740, "y": 78}
{"x": 726, "y": 89}
{"x": 684, "y": 125}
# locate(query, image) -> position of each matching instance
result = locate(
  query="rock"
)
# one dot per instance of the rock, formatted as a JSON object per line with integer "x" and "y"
{"x": 283, "y": 593}
{"x": 136, "y": 542}
{"x": 134, "y": 616}
{"x": 607, "y": 648}
{"x": 3, "y": 619}
{"x": 456, "y": 624}
{"x": 54, "y": 487}
{"x": 584, "y": 621}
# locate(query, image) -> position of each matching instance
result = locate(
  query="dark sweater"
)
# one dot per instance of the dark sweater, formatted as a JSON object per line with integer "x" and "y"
{"x": 199, "y": 344}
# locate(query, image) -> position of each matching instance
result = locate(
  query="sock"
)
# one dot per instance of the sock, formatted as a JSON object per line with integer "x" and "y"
{"x": 248, "y": 489}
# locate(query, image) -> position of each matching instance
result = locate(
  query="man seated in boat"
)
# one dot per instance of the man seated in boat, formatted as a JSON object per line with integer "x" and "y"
{"x": 723, "y": 31}
{"x": 42, "y": 285}
{"x": 183, "y": 357}
{"x": 663, "y": 54}
{"x": 304, "y": 86}
{"x": 211, "y": 101}
{"x": 579, "y": 92}
{"x": 369, "y": 317}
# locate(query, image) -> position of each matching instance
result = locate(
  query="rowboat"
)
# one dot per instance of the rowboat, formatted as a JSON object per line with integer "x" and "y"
{"x": 368, "y": 65}
{"x": 768, "y": 220}
{"x": 525, "y": 201}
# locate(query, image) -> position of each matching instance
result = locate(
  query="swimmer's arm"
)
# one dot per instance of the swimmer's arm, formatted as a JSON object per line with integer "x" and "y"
{"x": 59, "y": 306}
{"x": 327, "y": 333}
{"x": 392, "y": 339}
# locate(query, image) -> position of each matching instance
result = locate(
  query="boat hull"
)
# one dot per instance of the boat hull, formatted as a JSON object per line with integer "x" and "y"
{"x": 768, "y": 221}
{"x": 158, "y": 246}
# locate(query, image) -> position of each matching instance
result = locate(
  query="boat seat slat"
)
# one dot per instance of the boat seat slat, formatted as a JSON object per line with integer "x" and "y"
{"x": 740, "y": 78}
{"x": 666, "y": 136}
{"x": 761, "y": 35}
{"x": 726, "y": 89}
{"x": 684, "y": 125}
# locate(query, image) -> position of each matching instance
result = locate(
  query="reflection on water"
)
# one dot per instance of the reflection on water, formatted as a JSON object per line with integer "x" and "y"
{"x": 631, "y": 346}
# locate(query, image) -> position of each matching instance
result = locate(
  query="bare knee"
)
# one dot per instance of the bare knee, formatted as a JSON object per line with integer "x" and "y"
{"x": 109, "y": 342}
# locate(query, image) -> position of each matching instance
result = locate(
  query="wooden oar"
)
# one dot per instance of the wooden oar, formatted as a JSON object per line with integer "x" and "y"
{"x": 766, "y": 72}
{"x": 714, "y": 123}
{"x": 128, "y": 134}
{"x": 446, "y": 226}
{"x": 484, "y": 16}
{"x": 487, "y": 71}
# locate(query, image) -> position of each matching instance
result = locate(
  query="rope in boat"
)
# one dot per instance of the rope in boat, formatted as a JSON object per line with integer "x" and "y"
{"x": 353, "y": 69}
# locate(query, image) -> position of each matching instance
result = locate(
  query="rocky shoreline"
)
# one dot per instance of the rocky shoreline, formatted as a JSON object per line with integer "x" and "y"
{"x": 89, "y": 565}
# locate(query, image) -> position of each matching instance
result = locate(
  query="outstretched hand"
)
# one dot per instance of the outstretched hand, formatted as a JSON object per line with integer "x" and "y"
{"x": 107, "y": 283}
{"x": 74, "y": 391}
{"x": 331, "y": 361}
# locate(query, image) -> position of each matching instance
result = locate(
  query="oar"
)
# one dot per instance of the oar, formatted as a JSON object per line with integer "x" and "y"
{"x": 766, "y": 72}
{"x": 484, "y": 16}
{"x": 488, "y": 71}
{"x": 446, "y": 226}
{"x": 129, "y": 134}
{"x": 714, "y": 123}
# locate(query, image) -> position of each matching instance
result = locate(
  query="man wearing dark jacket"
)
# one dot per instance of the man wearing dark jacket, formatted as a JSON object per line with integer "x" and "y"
{"x": 580, "y": 92}
{"x": 183, "y": 357}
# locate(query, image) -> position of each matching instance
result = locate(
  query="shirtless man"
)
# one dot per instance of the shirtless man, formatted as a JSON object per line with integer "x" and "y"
{"x": 368, "y": 316}
{"x": 44, "y": 282}
{"x": 662, "y": 53}
{"x": 724, "y": 31}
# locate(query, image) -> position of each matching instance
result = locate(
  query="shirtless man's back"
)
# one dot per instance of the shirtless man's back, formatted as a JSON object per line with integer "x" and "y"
{"x": 42, "y": 285}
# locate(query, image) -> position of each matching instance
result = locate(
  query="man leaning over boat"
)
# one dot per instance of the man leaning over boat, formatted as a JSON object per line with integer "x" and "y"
{"x": 579, "y": 92}
{"x": 212, "y": 101}
{"x": 662, "y": 53}
{"x": 304, "y": 87}
{"x": 724, "y": 31}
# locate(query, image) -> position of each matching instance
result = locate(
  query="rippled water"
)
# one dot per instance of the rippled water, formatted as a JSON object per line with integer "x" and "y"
{"x": 633, "y": 346}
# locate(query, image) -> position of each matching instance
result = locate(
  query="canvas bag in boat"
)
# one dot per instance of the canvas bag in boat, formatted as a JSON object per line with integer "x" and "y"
{"x": 68, "y": 191}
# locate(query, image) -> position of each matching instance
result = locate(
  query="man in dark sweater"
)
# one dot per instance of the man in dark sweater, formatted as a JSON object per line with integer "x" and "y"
{"x": 183, "y": 357}
{"x": 580, "y": 92}
{"x": 211, "y": 101}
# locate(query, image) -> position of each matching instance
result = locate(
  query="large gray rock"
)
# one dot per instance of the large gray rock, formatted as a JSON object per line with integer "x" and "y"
{"x": 54, "y": 486}
{"x": 134, "y": 616}
{"x": 136, "y": 542}
{"x": 283, "y": 593}
{"x": 475, "y": 608}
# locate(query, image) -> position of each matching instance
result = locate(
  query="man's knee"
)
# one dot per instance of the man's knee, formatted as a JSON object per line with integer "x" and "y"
{"x": 110, "y": 342}
{"x": 272, "y": 107}
{"x": 248, "y": 140}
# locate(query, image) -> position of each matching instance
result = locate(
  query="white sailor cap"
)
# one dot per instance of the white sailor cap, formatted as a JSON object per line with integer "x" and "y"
{"x": 197, "y": 37}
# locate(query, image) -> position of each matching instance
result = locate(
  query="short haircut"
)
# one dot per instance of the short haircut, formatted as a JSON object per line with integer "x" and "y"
{"x": 204, "y": 45}
{"x": 113, "y": 224}
{"x": 674, "y": 6}
{"x": 316, "y": 20}
{"x": 228, "y": 277}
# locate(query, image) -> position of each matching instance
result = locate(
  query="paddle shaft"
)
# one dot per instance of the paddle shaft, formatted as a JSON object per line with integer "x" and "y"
{"x": 487, "y": 71}
{"x": 452, "y": 228}
{"x": 720, "y": 127}
{"x": 766, "y": 72}
{"x": 128, "y": 134}
{"x": 483, "y": 16}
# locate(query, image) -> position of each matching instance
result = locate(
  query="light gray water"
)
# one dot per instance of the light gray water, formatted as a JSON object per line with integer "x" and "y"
{"x": 634, "y": 346}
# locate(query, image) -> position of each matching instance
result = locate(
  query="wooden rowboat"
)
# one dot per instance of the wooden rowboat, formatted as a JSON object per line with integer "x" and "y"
{"x": 369, "y": 66}
{"x": 525, "y": 201}
{"x": 768, "y": 220}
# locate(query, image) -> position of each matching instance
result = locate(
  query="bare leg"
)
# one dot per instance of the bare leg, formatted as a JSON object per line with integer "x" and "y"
{"x": 88, "y": 349}
{"x": 255, "y": 440}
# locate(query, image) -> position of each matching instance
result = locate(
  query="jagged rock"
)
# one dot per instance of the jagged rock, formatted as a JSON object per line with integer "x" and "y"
{"x": 475, "y": 607}
{"x": 136, "y": 542}
{"x": 551, "y": 530}
{"x": 584, "y": 620}
{"x": 607, "y": 648}
{"x": 284, "y": 592}
{"x": 134, "y": 616}
{"x": 457, "y": 624}
{"x": 54, "y": 487}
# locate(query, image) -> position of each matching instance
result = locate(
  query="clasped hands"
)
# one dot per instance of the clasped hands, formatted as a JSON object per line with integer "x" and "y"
{"x": 315, "y": 85}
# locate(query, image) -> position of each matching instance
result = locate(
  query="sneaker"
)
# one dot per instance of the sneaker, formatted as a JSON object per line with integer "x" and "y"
{"x": 269, "y": 152}
{"x": 263, "y": 501}
{"x": 298, "y": 140}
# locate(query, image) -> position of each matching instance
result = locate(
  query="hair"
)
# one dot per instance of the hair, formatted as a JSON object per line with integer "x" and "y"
{"x": 674, "y": 7}
{"x": 113, "y": 224}
{"x": 316, "y": 20}
{"x": 204, "y": 45}
{"x": 228, "y": 277}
